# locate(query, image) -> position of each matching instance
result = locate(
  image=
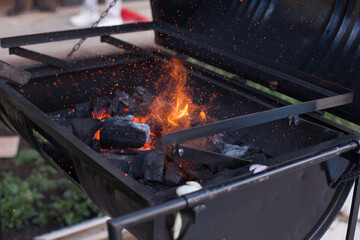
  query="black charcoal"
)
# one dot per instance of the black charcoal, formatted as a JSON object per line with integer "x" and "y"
{"x": 252, "y": 150}
{"x": 100, "y": 104}
{"x": 83, "y": 110}
{"x": 122, "y": 104}
{"x": 95, "y": 144}
{"x": 257, "y": 158}
{"x": 85, "y": 128}
{"x": 120, "y": 161}
{"x": 122, "y": 132}
{"x": 234, "y": 150}
{"x": 154, "y": 163}
{"x": 173, "y": 175}
{"x": 137, "y": 164}
{"x": 64, "y": 121}
{"x": 141, "y": 95}
{"x": 202, "y": 174}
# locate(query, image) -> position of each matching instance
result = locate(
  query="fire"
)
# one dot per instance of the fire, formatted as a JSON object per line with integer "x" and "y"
{"x": 101, "y": 115}
{"x": 174, "y": 109}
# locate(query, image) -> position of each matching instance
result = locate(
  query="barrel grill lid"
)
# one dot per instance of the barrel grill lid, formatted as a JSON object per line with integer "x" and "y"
{"x": 319, "y": 37}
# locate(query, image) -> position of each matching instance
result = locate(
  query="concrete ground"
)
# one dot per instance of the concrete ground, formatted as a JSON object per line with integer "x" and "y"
{"x": 35, "y": 22}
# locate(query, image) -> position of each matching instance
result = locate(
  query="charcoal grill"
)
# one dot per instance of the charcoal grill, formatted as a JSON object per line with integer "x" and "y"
{"x": 314, "y": 163}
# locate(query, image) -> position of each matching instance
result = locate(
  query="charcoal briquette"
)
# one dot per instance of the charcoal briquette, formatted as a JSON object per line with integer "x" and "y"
{"x": 137, "y": 165}
{"x": 257, "y": 158}
{"x": 85, "y": 128}
{"x": 154, "y": 163}
{"x": 120, "y": 161}
{"x": 100, "y": 104}
{"x": 122, "y": 132}
{"x": 173, "y": 174}
{"x": 95, "y": 144}
{"x": 202, "y": 174}
{"x": 83, "y": 110}
{"x": 121, "y": 104}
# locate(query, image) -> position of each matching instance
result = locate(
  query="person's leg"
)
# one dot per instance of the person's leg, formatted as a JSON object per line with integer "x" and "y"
{"x": 90, "y": 5}
{"x": 17, "y": 9}
{"x": 115, "y": 11}
{"x": 43, "y": 6}
{"x": 87, "y": 16}
{"x": 114, "y": 16}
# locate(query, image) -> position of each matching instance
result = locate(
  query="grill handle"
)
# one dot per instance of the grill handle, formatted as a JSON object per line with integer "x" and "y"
{"x": 13, "y": 74}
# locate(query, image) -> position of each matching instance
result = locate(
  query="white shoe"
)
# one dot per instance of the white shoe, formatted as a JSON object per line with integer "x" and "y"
{"x": 84, "y": 18}
{"x": 110, "y": 21}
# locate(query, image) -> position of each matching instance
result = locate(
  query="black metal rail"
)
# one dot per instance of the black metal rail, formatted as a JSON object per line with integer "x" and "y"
{"x": 192, "y": 200}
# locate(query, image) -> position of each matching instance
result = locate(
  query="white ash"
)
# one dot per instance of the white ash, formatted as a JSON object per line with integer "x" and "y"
{"x": 234, "y": 150}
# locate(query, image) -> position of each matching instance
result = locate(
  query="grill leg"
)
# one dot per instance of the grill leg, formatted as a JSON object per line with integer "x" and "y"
{"x": 354, "y": 211}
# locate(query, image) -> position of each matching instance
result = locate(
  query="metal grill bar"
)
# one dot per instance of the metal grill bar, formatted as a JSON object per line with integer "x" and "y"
{"x": 39, "y": 57}
{"x": 236, "y": 123}
{"x": 253, "y": 119}
{"x": 73, "y": 34}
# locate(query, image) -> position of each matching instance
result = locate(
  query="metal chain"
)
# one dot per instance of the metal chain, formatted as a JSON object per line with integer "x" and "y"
{"x": 94, "y": 25}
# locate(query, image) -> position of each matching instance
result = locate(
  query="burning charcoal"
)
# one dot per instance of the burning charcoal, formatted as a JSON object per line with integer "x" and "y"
{"x": 155, "y": 126}
{"x": 141, "y": 95}
{"x": 154, "y": 165}
{"x": 122, "y": 103}
{"x": 85, "y": 128}
{"x": 83, "y": 110}
{"x": 198, "y": 117}
{"x": 234, "y": 150}
{"x": 120, "y": 161}
{"x": 173, "y": 174}
{"x": 122, "y": 132}
{"x": 202, "y": 174}
{"x": 95, "y": 144}
{"x": 137, "y": 164}
{"x": 99, "y": 105}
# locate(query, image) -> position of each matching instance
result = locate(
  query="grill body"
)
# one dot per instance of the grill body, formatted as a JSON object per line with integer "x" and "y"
{"x": 300, "y": 201}
{"x": 265, "y": 41}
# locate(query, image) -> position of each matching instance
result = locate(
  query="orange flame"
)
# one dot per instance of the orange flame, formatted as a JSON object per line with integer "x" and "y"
{"x": 174, "y": 109}
{"x": 101, "y": 115}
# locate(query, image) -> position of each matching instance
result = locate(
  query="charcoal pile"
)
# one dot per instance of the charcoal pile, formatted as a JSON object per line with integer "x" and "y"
{"x": 122, "y": 129}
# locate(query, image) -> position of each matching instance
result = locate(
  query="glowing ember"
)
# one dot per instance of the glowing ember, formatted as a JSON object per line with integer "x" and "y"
{"x": 103, "y": 114}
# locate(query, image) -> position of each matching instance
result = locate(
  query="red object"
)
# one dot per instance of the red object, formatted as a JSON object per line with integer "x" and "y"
{"x": 131, "y": 16}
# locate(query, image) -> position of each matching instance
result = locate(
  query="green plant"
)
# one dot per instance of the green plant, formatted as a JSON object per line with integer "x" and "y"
{"x": 41, "y": 196}
{"x": 17, "y": 199}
